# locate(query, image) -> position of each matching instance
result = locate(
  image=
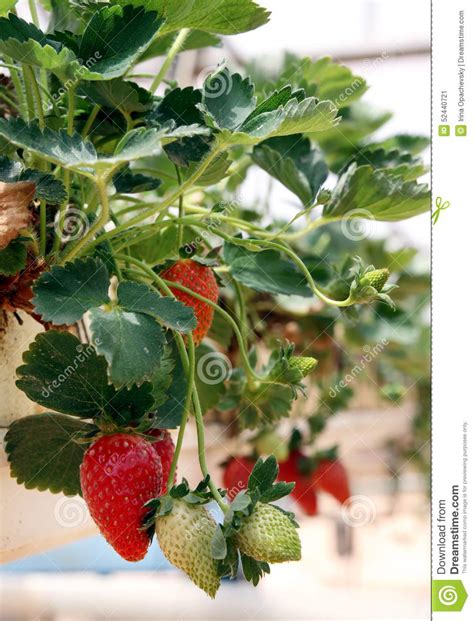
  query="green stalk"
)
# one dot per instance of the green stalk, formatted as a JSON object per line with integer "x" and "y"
{"x": 181, "y": 210}
{"x": 167, "y": 202}
{"x": 28, "y": 92}
{"x": 30, "y": 74}
{"x": 172, "y": 52}
{"x": 90, "y": 121}
{"x": 317, "y": 292}
{"x": 202, "y": 450}
{"x": 42, "y": 247}
{"x": 34, "y": 12}
{"x": 100, "y": 223}
{"x": 190, "y": 358}
{"x": 67, "y": 173}
{"x": 9, "y": 101}
{"x": 20, "y": 94}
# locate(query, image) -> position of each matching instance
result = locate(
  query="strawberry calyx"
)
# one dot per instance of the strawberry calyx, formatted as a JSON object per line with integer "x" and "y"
{"x": 255, "y": 530}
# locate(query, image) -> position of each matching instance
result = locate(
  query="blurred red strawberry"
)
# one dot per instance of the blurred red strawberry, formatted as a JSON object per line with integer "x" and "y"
{"x": 298, "y": 468}
{"x": 236, "y": 475}
{"x": 330, "y": 475}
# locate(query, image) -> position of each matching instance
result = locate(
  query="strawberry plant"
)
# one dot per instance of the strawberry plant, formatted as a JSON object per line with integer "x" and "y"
{"x": 120, "y": 215}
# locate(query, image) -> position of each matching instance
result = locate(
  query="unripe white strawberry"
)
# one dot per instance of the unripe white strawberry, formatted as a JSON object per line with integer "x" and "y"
{"x": 184, "y": 536}
{"x": 269, "y": 535}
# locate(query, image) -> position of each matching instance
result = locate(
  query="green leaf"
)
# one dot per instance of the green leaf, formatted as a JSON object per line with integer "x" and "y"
{"x": 180, "y": 107}
{"x": 230, "y": 106}
{"x": 263, "y": 474}
{"x": 27, "y": 44}
{"x": 265, "y": 406}
{"x": 253, "y": 570}
{"x": 212, "y": 369}
{"x": 118, "y": 94}
{"x": 56, "y": 147}
{"x": 405, "y": 142}
{"x": 62, "y": 374}
{"x": 294, "y": 163}
{"x": 117, "y": 37}
{"x": 66, "y": 375}
{"x": 215, "y": 172}
{"x": 228, "y": 98}
{"x": 64, "y": 294}
{"x": 218, "y": 544}
{"x": 277, "y": 491}
{"x": 363, "y": 192}
{"x": 169, "y": 412}
{"x": 44, "y": 452}
{"x": 309, "y": 115}
{"x": 7, "y": 5}
{"x": 75, "y": 153}
{"x": 137, "y": 297}
{"x": 163, "y": 377}
{"x": 265, "y": 271}
{"x": 142, "y": 142}
{"x": 196, "y": 39}
{"x": 218, "y": 16}
{"x": 128, "y": 182}
{"x": 357, "y": 122}
{"x": 393, "y": 162}
{"x": 13, "y": 257}
{"x": 47, "y": 187}
{"x": 131, "y": 342}
{"x": 155, "y": 249}
{"x": 334, "y": 81}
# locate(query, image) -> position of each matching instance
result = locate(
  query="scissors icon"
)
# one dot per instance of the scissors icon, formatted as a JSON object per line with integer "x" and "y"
{"x": 440, "y": 206}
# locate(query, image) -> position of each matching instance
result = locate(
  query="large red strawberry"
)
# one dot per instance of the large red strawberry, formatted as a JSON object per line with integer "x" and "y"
{"x": 119, "y": 473}
{"x": 200, "y": 279}
{"x": 295, "y": 469}
{"x": 164, "y": 446}
{"x": 236, "y": 475}
{"x": 330, "y": 475}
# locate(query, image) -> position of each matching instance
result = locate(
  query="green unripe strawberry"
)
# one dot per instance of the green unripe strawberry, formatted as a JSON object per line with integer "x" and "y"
{"x": 184, "y": 536}
{"x": 304, "y": 364}
{"x": 270, "y": 443}
{"x": 269, "y": 535}
{"x": 375, "y": 279}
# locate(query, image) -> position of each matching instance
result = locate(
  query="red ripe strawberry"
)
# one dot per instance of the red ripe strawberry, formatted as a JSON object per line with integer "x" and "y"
{"x": 200, "y": 279}
{"x": 304, "y": 491}
{"x": 164, "y": 446}
{"x": 331, "y": 476}
{"x": 236, "y": 475}
{"x": 119, "y": 473}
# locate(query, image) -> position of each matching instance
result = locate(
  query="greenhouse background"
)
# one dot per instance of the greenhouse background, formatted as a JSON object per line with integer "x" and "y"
{"x": 379, "y": 569}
